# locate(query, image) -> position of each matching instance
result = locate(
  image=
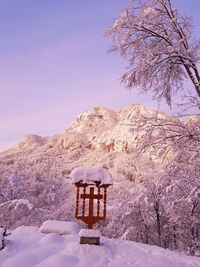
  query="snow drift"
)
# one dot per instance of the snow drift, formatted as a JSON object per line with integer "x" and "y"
{"x": 28, "y": 247}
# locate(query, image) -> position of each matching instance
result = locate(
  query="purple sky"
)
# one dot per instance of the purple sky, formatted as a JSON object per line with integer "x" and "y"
{"x": 54, "y": 63}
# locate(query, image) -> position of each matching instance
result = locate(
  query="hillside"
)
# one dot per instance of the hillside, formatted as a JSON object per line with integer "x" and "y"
{"x": 27, "y": 247}
{"x": 37, "y": 168}
{"x": 151, "y": 199}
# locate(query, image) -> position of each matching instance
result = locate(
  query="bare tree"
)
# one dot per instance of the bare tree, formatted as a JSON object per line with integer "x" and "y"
{"x": 157, "y": 42}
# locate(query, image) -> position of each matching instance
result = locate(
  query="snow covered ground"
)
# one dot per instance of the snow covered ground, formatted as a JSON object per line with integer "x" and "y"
{"x": 27, "y": 247}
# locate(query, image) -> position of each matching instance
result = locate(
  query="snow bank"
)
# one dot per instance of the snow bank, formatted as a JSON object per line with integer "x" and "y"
{"x": 59, "y": 227}
{"x": 90, "y": 175}
{"x": 28, "y": 247}
{"x": 89, "y": 233}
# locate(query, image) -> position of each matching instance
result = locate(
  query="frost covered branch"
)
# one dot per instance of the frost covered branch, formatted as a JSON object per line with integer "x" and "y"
{"x": 166, "y": 134}
{"x": 157, "y": 43}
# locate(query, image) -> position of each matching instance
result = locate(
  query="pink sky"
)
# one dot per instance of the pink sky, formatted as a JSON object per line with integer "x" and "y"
{"x": 54, "y": 64}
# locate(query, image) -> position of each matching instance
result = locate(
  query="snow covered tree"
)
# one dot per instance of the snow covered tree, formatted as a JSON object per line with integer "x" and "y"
{"x": 158, "y": 44}
{"x": 164, "y": 135}
{"x": 183, "y": 197}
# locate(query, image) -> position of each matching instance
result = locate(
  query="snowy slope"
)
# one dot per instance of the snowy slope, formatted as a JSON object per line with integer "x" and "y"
{"x": 39, "y": 167}
{"x": 28, "y": 247}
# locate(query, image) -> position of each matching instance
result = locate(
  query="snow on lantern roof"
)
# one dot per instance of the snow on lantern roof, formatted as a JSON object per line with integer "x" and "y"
{"x": 91, "y": 175}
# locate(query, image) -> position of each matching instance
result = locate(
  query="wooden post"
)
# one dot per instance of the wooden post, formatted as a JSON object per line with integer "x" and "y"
{"x": 91, "y": 219}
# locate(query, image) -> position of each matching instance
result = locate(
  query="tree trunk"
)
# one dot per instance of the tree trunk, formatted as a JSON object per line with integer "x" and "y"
{"x": 194, "y": 77}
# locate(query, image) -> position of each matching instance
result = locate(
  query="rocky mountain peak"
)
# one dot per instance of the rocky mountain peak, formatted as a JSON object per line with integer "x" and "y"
{"x": 104, "y": 129}
{"x": 94, "y": 120}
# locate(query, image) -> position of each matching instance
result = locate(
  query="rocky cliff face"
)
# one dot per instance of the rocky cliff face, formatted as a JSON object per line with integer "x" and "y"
{"x": 104, "y": 130}
{"x": 37, "y": 168}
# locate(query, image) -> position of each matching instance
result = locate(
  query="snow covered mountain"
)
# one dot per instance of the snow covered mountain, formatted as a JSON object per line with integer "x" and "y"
{"x": 37, "y": 167}
{"x": 34, "y": 175}
{"x": 98, "y": 129}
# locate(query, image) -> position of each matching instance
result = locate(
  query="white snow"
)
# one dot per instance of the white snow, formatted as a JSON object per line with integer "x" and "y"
{"x": 89, "y": 233}
{"x": 149, "y": 10}
{"x": 28, "y": 247}
{"x": 59, "y": 227}
{"x": 90, "y": 175}
{"x": 18, "y": 202}
{"x": 23, "y": 202}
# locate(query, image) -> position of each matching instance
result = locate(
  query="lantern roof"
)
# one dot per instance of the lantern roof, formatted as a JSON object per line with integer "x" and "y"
{"x": 91, "y": 175}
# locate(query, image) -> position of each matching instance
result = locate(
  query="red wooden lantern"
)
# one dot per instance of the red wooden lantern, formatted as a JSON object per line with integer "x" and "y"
{"x": 91, "y": 193}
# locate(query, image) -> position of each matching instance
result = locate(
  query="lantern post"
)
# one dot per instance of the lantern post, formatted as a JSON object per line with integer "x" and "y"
{"x": 91, "y": 197}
